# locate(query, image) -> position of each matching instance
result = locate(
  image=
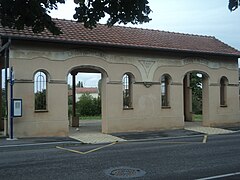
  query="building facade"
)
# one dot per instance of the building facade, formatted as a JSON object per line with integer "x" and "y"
{"x": 145, "y": 77}
{"x": 93, "y": 91}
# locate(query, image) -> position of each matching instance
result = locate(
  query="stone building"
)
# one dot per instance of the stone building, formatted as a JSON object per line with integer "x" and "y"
{"x": 79, "y": 91}
{"x": 145, "y": 77}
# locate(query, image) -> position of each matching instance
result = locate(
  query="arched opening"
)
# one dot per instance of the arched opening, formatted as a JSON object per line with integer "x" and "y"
{"x": 127, "y": 81}
{"x": 86, "y": 98}
{"x": 165, "y": 90}
{"x": 195, "y": 88}
{"x": 223, "y": 91}
{"x": 40, "y": 91}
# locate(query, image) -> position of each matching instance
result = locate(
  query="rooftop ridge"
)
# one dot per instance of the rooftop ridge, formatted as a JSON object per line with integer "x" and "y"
{"x": 125, "y": 37}
{"x": 148, "y": 29}
{"x": 226, "y": 44}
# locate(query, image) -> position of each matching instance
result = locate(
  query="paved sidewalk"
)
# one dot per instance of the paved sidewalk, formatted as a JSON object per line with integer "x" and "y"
{"x": 95, "y": 138}
{"x": 197, "y": 127}
{"x": 90, "y": 132}
{"x": 209, "y": 130}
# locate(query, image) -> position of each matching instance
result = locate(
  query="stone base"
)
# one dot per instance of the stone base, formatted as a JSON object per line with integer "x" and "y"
{"x": 75, "y": 122}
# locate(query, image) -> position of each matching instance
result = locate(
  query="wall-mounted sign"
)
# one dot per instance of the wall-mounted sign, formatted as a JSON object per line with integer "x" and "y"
{"x": 17, "y": 107}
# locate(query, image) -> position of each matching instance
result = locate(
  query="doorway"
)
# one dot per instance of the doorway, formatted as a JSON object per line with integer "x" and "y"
{"x": 195, "y": 89}
{"x": 86, "y": 98}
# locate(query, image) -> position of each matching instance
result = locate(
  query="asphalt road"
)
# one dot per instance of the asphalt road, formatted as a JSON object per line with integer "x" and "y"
{"x": 186, "y": 158}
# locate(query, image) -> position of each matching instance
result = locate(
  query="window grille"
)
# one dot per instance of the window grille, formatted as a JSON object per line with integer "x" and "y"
{"x": 127, "y": 91}
{"x": 165, "y": 90}
{"x": 40, "y": 91}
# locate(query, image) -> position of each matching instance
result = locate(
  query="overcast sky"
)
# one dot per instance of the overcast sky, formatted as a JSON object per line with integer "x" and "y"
{"x": 203, "y": 17}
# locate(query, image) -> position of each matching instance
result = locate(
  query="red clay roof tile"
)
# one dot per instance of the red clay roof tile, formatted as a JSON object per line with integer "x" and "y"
{"x": 119, "y": 36}
{"x": 91, "y": 90}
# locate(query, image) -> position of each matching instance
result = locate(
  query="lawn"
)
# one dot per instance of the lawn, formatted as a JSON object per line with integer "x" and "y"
{"x": 90, "y": 118}
{"x": 197, "y": 117}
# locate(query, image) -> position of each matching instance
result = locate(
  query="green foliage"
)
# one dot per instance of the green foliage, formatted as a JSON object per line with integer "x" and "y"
{"x": 88, "y": 106}
{"x": 98, "y": 117}
{"x": 31, "y": 13}
{"x": 122, "y": 11}
{"x": 233, "y": 4}
{"x": 197, "y": 117}
{"x": 34, "y": 13}
{"x": 40, "y": 100}
{"x": 100, "y": 87}
{"x": 196, "y": 85}
{"x": 70, "y": 102}
{"x": 80, "y": 84}
{"x": 4, "y": 109}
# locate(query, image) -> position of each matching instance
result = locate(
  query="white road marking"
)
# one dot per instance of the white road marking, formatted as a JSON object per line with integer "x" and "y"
{"x": 205, "y": 138}
{"x": 38, "y": 144}
{"x": 220, "y": 176}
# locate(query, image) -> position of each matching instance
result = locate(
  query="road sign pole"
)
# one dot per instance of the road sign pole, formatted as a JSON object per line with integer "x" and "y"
{"x": 11, "y": 103}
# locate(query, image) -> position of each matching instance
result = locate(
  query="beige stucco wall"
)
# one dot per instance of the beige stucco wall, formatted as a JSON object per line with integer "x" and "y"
{"x": 147, "y": 113}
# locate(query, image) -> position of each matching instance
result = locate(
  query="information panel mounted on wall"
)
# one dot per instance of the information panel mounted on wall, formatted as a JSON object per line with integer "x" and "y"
{"x": 17, "y": 107}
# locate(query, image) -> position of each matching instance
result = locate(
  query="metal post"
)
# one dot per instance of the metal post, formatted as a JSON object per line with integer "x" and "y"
{"x": 74, "y": 94}
{"x": 11, "y": 98}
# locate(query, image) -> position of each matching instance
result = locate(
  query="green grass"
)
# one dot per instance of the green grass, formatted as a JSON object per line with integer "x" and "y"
{"x": 90, "y": 117}
{"x": 197, "y": 117}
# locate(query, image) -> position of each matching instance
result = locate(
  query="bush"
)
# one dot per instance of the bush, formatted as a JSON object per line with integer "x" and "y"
{"x": 88, "y": 106}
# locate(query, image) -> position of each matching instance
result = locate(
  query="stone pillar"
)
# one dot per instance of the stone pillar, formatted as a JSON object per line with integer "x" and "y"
{"x": 205, "y": 101}
{"x": 75, "y": 119}
{"x": 187, "y": 98}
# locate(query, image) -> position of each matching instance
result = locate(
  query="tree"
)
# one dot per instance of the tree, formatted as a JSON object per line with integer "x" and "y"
{"x": 88, "y": 105}
{"x": 35, "y": 13}
{"x": 196, "y": 85}
{"x": 80, "y": 84}
{"x": 4, "y": 106}
{"x": 100, "y": 88}
{"x": 40, "y": 100}
{"x": 233, "y": 4}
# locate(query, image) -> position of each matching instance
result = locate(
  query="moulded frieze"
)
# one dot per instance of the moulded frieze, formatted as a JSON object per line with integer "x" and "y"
{"x": 209, "y": 63}
{"x": 147, "y": 65}
{"x": 55, "y": 55}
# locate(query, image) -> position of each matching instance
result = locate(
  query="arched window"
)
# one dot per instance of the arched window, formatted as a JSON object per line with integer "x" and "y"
{"x": 223, "y": 91}
{"x": 165, "y": 90}
{"x": 40, "y": 90}
{"x": 127, "y": 90}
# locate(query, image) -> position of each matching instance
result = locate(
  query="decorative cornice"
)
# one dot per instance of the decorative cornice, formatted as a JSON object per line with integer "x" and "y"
{"x": 57, "y": 82}
{"x": 114, "y": 82}
{"x": 23, "y": 81}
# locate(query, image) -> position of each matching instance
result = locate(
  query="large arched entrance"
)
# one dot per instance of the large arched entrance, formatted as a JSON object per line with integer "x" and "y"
{"x": 196, "y": 97}
{"x": 86, "y": 101}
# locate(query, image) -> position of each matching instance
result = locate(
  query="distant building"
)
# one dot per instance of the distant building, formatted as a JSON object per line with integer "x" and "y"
{"x": 93, "y": 91}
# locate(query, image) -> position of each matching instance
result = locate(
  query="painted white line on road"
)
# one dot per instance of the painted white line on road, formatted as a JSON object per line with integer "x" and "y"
{"x": 163, "y": 138}
{"x": 205, "y": 139}
{"x": 220, "y": 176}
{"x": 39, "y": 144}
{"x": 83, "y": 153}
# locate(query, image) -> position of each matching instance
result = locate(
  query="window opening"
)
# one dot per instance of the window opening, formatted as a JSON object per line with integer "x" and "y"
{"x": 127, "y": 91}
{"x": 223, "y": 91}
{"x": 40, "y": 91}
{"x": 165, "y": 87}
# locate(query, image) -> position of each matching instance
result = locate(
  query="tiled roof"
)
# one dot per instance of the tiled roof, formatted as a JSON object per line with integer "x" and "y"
{"x": 118, "y": 36}
{"x": 80, "y": 90}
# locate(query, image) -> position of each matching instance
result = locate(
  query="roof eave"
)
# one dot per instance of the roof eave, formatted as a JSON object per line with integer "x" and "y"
{"x": 13, "y": 37}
